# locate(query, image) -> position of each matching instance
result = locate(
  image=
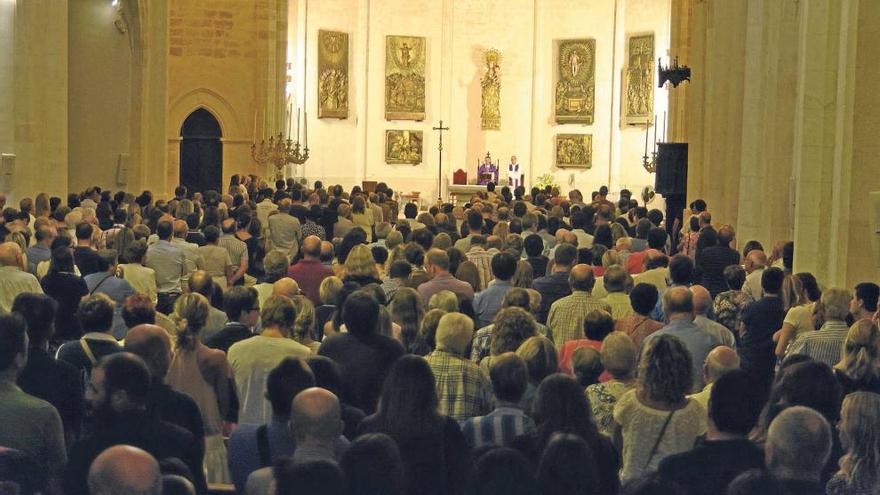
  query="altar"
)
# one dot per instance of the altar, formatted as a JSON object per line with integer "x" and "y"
{"x": 456, "y": 191}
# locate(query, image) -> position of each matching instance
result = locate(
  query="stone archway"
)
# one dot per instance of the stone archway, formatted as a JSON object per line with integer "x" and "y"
{"x": 201, "y": 152}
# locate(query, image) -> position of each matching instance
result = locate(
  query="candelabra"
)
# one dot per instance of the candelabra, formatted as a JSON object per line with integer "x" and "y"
{"x": 650, "y": 164}
{"x": 278, "y": 152}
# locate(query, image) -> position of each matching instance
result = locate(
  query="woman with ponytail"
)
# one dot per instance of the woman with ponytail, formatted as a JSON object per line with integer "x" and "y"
{"x": 859, "y": 366}
{"x": 203, "y": 374}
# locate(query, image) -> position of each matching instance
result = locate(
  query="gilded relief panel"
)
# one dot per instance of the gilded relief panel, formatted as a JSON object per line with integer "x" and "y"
{"x": 403, "y": 147}
{"x": 405, "y": 58}
{"x": 332, "y": 75}
{"x": 576, "y": 82}
{"x": 574, "y": 150}
{"x": 638, "y": 81}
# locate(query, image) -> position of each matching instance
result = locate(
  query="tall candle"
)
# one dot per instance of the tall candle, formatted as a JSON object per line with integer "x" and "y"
{"x": 647, "y": 124}
{"x": 663, "y": 136}
{"x": 655, "y": 133}
{"x": 289, "y": 120}
{"x": 306, "y": 128}
{"x": 255, "y": 127}
{"x": 297, "y": 123}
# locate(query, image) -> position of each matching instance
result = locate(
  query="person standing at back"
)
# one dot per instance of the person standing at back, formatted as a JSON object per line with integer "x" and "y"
{"x": 760, "y": 320}
{"x": 364, "y": 355}
{"x": 31, "y": 425}
{"x": 252, "y": 359}
{"x": 169, "y": 263}
{"x": 555, "y": 285}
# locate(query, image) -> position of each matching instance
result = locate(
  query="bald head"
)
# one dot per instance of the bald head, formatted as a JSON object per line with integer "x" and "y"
{"x": 180, "y": 228}
{"x": 311, "y": 246}
{"x": 326, "y": 250}
{"x": 315, "y": 414}
{"x": 285, "y": 286}
{"x": 569, "y": 237}
{"x": 755, "y": 260}
{"x": 10, "y": 254}
{"x": 581, "y": 278}
{"x": 798, "y": 444}
{"x": 125, "y": 470}
{"x": 152, "y": 343}
{"x": 702, "y": 299}
{"x": 200, "y": 282}
{"x": 678, "y": 303}
{"x": 720, "y": 360}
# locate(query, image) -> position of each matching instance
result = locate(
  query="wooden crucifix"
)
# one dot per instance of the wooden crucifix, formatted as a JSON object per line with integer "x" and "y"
{"x": 440, "y": 129}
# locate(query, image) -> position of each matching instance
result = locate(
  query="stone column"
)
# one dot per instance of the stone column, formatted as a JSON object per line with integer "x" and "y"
{"x": 40, "y": 88}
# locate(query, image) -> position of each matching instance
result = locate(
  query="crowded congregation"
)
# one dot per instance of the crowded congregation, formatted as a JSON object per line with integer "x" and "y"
{"x": 284, "y": 338}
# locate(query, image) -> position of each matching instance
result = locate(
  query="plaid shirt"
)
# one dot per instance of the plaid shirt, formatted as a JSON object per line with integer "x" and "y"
{"x": 566, "y": 317}
{"x": 620, "y": 305}
{"x": 463, "y": 391}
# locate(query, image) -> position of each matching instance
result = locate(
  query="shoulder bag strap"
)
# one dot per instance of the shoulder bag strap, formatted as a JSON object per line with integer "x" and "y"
{"x": 100, "y": 283}
{"x": 87, "y": 350}
{"x": 263, "y": 446}
{"x": 659, "y": 439}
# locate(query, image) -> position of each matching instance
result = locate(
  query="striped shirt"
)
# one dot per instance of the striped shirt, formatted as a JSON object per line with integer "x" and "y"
{"x": 823, "y": 345}
{"x": 499, "y": 427}
{"x": 237, "y": 249}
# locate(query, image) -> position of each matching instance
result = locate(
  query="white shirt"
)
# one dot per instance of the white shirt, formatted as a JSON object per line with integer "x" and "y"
{"x": 141, "y": 278}
{"x": 251, "y": 361}
{"x": 752, "y": 286}
{"x": 14, "y": 281}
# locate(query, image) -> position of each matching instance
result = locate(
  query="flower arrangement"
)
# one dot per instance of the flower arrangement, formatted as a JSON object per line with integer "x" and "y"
{"x": 546, "y": 180}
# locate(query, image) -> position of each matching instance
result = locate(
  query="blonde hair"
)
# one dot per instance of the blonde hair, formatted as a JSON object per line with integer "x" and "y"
{"x": 360, "y": 263}
{"x": 835, "y": 302}
{"x": 190, "y": 315}
{"x": 859, "y": 416}
{"x": 442, "y": 241}
{"x": 445, "y": 300}
{"x": 610, "y": 258}
{"x": 619, "y": 354}
{"x": 329, "y": 289}
{"x": 540, "y": 357}
{"x": 860, "y": 354}
{"x": 793, "y": 293}
{"x": 304, "y": 322}
{"x": 617, "y": 232}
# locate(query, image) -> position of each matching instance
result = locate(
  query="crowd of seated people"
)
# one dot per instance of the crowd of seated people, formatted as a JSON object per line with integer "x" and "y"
{"x": 285, "y": 339}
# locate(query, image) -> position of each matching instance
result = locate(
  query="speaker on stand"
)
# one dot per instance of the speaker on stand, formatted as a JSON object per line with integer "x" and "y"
{"x": 671, "y": 181}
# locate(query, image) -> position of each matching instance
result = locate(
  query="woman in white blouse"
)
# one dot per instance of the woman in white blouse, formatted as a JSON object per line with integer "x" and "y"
{"x": 656, "y": 419}
{"x": 141, "y": 278}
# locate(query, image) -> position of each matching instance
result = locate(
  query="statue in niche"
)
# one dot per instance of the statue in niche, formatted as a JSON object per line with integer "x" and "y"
{"x": 332, "y": 74}
{"x": 490, "y": 117}
{"x": 575, "y": 86}
{"x": 404, "y": 78}
{"x": 638, "y": 80}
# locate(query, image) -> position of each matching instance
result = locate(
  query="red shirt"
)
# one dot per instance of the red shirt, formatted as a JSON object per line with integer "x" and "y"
{"x": 308, "y": 275}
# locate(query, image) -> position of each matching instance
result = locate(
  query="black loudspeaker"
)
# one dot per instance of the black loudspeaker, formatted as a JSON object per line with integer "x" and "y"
{"x": 672, "y": 168}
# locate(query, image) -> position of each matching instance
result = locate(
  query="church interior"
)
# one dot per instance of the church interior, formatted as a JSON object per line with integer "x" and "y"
{"x": 186, "y": 280}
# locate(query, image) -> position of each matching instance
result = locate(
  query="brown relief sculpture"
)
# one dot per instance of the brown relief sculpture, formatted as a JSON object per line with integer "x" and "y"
{"x": 332, "y": 75}
{"x": 405, "y": 78}
{"x": 574, "y": 150}
{"x": 576, "y": 82}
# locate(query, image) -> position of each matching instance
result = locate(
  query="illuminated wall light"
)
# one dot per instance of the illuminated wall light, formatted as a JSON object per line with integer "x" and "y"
{"x": 114, "y": 3}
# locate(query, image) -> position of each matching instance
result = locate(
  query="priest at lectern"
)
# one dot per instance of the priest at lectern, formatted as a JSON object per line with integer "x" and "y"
{"x": 487, "y": 171}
